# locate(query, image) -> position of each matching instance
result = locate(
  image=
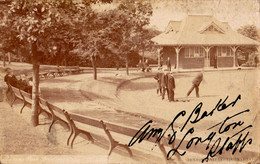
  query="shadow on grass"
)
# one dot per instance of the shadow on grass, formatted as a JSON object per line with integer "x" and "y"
{"x": 59, "y": 95}
{"x": 60, "y": 80}
{"x": 135, "y": 86}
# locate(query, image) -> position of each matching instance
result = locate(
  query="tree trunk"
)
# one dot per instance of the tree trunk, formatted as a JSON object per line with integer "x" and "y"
{"x": 93, "y": 61}
{"x": 58, "y": 57}
{"x": 35, "y": 87}
{"x": 126, "y": 66}
{"x": 35, "y": 95}
{"x": 143, "y": 54}
{"x": 65, "y": 60}
{"x": 4, "y": 59}
{"x": 117, "y": 65}
{"x": 9, "y": 58}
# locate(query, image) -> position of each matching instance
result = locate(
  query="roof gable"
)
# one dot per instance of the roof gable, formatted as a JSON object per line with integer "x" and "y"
{"x": 212, "y": 28}
{"x": 173, "y": 26}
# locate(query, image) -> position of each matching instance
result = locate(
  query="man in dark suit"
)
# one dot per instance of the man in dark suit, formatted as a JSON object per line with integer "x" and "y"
{"x": 164, "y": 83}
{"x": 158, "y": 77}
{"x": 196, "y": 83}
{"x": 171, "y": 86}
{"x": 10, "y": 78}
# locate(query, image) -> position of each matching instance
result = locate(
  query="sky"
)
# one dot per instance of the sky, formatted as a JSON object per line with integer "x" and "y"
{"x": 236, "y": 12}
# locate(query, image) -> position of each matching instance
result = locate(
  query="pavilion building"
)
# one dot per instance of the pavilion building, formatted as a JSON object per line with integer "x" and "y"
{"x": 200, "y": 41}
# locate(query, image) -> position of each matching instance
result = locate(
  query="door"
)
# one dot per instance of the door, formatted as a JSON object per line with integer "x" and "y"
{"x": 213, "y": 57}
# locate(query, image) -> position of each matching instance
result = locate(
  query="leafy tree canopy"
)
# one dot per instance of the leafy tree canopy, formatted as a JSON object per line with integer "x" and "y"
{"x": 249, "y": 31}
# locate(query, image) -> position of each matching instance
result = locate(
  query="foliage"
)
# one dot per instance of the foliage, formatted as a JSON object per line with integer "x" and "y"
{"x": 45, "y": 28}
{"x": 8, "y": 43}
{"x": 58, "y": 33}
{"x": 249, "y": 31}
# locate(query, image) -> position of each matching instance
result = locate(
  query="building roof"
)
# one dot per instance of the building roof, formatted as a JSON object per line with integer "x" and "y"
{"x": 201, "y": 30}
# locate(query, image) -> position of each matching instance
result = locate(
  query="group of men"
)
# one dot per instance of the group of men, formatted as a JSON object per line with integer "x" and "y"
{"x": 144, "y": 66}
{"x": 166, "y": 84}
{"x": 23, "y": 83}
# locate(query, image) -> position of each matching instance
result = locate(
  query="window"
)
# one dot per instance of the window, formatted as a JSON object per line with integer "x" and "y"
{"x": 194, "y": 52}
{"x": 191, "y": 52}
{"x": 186, "y": 52}
{"x": 224, "y": 51}
{"x": 219, "y": 51}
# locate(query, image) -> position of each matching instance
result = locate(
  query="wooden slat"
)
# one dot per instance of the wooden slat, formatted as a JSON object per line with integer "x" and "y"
{"x": 56, "y": 109}
{"x": 112, "y": 127}
{"x": 16, "y": 92}
{"x": 27, "y": 96}
{"x": 86, "y": 120}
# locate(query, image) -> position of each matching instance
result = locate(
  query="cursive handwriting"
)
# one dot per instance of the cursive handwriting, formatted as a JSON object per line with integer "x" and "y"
{"x": 214, "y": 145}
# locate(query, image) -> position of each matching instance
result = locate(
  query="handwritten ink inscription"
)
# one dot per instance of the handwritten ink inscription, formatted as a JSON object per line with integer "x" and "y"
{"x": 215, "y": 145}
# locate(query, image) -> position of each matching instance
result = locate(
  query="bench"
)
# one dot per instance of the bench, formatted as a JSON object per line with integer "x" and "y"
{"x": 51, "y": 73}
{"x": 79, "y": 124}
{"x": 119, "y": 129}
{"x": 16, "y": 95}
{"x": 60, "y": 115}
{"x": 56, "y": 113}
{"x": 61, "y": 71}
{"x": 74, "y": 70}
{"x": 98, "y": 124}
{"x": 75, "y": 130}
{"x": 44, "y": 75}
{"x": 25, "y": 97}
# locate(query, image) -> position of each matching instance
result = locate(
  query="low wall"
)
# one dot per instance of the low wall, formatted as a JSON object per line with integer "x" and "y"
{"x": 225, "y": 61}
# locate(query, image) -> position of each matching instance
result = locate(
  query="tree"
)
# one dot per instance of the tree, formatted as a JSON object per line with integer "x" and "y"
{"x": 142, "y": 13}
{"x": 60, "y": 27}
{"x": 8, "y": 44}
{"x": 126, "y": 28}
{"x": 91, "y": 41}
{"x": 119, "y": 34}
{"x": 31, "y": 19}
{"x": 42, "y": 26}
{"x": 249, "y": 31}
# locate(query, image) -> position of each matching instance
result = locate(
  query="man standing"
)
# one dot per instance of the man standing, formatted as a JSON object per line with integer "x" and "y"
{"x": 195, "y": 84}
{"x": 158, "y": 77}
{"x": 140, "y": 65}
{"x": 164, "y": 83}
{"x": 256, "y": 60}
{"x": 171, "y": 86}
{"x": 146, "y": 65}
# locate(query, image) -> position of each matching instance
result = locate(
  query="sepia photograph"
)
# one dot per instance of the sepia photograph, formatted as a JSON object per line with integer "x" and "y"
{"x": 129, "y": 81}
